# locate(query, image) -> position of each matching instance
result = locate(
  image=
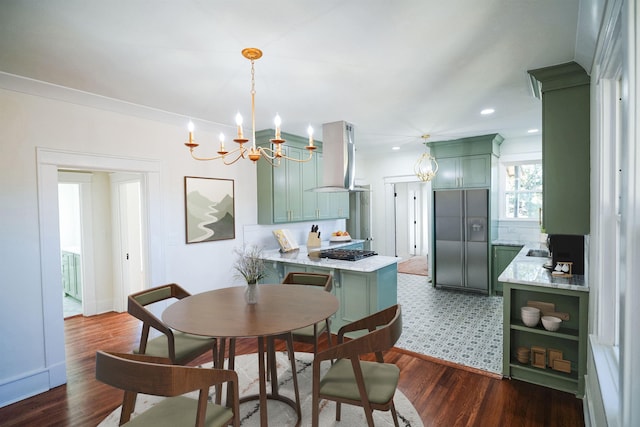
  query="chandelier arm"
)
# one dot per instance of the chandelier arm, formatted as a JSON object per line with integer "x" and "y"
{"x": 268, "y": 153}
{"x": 220, "y": 156}
{"x": 224, "y": 159}
{"x": 299, "y": 160}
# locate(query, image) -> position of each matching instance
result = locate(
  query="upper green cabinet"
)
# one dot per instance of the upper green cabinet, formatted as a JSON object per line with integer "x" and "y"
{"x": 465, "y": 162}
{"x": 282, "y": 191}
{"x": 565, "y": 148}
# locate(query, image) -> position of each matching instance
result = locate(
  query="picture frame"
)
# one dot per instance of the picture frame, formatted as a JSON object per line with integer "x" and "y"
{"x": 209, "y": 209}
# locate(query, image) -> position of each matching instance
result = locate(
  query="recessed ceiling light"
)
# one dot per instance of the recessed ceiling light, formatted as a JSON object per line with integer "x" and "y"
{"x": 533, "y": 131}
{"x": 395, "y": 148}
{"x": 487, "y": 111}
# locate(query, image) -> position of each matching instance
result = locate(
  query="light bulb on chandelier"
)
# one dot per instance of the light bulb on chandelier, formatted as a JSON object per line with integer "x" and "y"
{"x": 426, "y": 167}
{"x": 254, "y": 153}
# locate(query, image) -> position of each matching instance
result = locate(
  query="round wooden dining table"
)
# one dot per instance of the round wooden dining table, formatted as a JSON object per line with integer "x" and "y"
{"x": 224, "y": 313}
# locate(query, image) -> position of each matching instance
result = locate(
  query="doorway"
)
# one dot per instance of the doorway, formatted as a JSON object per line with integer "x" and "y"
{"x": 409, "y": 203}
{"x": 49, "y": 163}
{"x": 102, "y": 250}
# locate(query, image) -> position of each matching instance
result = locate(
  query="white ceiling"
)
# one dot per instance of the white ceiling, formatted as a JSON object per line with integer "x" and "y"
{"x": 395, "y": 69}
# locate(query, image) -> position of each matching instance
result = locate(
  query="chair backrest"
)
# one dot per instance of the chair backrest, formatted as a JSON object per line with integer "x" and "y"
{"x": 385, "y": 328}
{"x": 136, "y": 307}
{"x": 154, "y": 375}
{"x": 313, "y": 279}
{"x": 136, "y": 373}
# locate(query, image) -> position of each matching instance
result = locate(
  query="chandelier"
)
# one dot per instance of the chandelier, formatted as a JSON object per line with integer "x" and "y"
{"x": 426, "y": 167}
{"x": 272, "y": 155}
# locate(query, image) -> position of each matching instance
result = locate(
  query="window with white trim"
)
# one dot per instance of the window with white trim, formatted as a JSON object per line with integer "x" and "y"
{"x": 522, "y": 196}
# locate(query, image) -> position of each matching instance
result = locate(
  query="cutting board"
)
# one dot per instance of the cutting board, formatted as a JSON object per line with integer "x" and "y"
{"x": 548, "y": 309}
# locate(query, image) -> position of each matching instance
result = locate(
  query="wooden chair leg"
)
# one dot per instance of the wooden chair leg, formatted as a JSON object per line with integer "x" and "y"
{"x": 292, "y": 362}
{"x": 395, "y": 414}
{"x": 231, "y": 366}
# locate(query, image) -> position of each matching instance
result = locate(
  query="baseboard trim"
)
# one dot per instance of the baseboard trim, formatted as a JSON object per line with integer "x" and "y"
{"x": 26, "y": 386}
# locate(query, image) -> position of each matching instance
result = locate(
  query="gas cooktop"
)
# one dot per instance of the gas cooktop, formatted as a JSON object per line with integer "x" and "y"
{"x": 342, "y": 254}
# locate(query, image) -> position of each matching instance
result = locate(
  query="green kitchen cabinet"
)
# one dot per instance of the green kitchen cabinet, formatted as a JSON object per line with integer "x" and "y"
{"x": 463, "y": 172}
{"x": 502, "y": 257}
{"x": 359, "y": 293}
{"x": 570, "y": 340}
{"x": 283, "y": 195}
{"x": 71, "y": 275}
{"x": 565, "y": 92}
{"x": 466, "y": 162}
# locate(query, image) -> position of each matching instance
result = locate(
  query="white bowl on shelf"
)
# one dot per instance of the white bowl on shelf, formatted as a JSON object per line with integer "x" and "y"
{"x": 530, "y": 316}
{"x": 551, "y": 323}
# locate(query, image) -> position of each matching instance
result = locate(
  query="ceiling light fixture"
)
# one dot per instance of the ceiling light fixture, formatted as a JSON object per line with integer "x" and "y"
{"x": 487, "y": 111}
{"x": 426, "y": 167}
{"x": 272, "y": 155}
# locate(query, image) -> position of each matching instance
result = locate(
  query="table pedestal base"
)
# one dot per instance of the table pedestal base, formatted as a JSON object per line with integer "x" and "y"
{"x": 272, "y": 372}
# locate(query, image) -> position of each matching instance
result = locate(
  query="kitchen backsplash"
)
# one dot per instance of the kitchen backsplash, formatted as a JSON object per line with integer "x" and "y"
{"x": 525, "y": 231}
{"x": 262, "y": 235}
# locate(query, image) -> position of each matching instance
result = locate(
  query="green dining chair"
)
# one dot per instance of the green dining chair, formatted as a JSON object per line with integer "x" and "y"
{"x": 137, "y": 373}
{"x": 311, "y": 333}
{"x": 369, "y": 384}
{"x": 179, "y": 347}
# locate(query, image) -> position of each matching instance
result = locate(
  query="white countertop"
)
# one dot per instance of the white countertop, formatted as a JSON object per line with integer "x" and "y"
{"x": 301, "y": 257}
{"x": 528, "y": 270}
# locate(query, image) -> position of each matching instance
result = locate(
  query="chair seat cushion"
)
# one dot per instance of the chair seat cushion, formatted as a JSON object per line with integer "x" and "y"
{"x": 185, "y": 345}
{"x": 181, "y": 411}
{"x": 380, "y": 379}
{"x": 307, "y": 331}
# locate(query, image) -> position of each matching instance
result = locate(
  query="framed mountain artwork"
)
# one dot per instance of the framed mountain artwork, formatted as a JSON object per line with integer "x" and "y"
{"x": 209, "y": 209}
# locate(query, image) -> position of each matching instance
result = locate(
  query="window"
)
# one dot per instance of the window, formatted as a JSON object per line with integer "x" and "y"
{"x": 523, "y": 190}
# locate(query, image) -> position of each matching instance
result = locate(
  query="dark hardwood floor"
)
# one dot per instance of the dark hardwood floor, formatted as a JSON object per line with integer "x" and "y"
{"x": 442, "y": 394}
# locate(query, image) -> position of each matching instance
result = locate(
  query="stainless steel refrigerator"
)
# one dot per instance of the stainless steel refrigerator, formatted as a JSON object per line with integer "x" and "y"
{"x": 461, "y": 247}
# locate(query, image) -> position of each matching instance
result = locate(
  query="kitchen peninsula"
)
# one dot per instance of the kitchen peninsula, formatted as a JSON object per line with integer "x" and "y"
{"x": 362, "y": 287}
{"x": 527, "y": 282}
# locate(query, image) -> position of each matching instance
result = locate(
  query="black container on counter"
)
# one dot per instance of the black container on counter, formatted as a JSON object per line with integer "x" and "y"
{"x": 567, "y": 248}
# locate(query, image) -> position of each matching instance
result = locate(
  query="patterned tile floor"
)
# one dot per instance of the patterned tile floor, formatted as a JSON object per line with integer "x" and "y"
{"x": 458, "y": 327}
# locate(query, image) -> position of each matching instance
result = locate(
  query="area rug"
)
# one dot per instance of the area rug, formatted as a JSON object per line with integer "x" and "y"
{"x": 415, "y": 265}
{"x": 280, "y": 414}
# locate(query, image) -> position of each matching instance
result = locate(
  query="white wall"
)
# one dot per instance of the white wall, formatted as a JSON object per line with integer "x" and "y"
{"x": 28, "y": 122}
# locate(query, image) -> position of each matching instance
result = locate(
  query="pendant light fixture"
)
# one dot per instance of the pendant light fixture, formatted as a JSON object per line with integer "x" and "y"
{"x": 426, "y": 167}
{"x": 272, "y": 155}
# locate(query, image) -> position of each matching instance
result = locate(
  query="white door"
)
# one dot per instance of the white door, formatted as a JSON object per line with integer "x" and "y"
{"x": 128, "y": 248}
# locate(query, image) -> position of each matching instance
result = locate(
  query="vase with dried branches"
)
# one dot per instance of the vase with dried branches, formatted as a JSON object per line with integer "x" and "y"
{"x": 251, "y": 267}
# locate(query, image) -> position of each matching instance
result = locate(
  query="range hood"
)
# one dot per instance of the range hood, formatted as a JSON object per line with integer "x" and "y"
{"x": 339, "y": 155}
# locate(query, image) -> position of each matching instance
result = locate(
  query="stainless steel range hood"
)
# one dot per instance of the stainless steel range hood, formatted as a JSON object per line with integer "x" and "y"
{"x": 339, "y": 155}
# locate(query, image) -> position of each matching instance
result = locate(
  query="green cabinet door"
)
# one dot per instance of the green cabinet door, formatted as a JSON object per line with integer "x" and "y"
{"x": 354, "y": 293}
{"x": 475, "y": 171}
{"x": 447, "y": 176}
{"x": 565, "y": 148}
{"x": 502, "y": 257}
{"x": 565, "y": 160}
{"x": 280, "y": 192}
{"x": 310, "y": 181}
{"x": 294, "y": 184}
